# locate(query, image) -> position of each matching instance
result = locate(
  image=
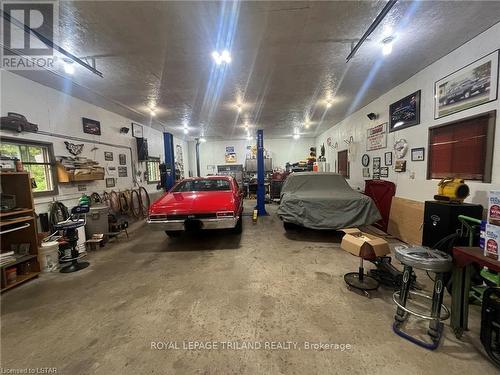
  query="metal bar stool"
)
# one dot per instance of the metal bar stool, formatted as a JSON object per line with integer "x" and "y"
{"x": 429, "y": 260}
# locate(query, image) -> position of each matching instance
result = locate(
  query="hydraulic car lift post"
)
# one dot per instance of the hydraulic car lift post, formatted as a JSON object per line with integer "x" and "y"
{"x": 168, "y": 145}
{"x": 261, "y": 191}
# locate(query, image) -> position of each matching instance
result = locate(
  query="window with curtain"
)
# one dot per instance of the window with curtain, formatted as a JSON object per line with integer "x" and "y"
{"x": 37, "y": 159}
{"x": 153, "y": 170}
{"x": 462, "y": 149}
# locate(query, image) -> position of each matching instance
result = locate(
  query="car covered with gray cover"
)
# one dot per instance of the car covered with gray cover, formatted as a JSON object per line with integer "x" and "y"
{"x": 324, "y": 200}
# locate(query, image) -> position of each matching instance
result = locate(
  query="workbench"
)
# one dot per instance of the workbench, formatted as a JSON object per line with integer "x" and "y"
{"x": 464, "y": 259}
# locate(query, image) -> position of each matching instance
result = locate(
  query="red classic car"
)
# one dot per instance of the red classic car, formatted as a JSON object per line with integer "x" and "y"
{"x": 214, "y": 202}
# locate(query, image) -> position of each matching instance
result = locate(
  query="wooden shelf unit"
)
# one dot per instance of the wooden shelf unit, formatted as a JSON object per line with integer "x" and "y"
{"x": 18, "y": 184}
{"x": 64, "y": 175}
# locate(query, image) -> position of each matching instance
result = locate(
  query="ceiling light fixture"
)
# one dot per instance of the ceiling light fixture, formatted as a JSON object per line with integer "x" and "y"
{"x": 223, "y": 57}
{"x": 69, "y": 68}
{"x": 186, "y": 130}
{"x": 203, "y": 140}
{"x": 152, "y": 111}
{"x": 328, "y": 104}
{"x": 387, "y": 45}
{"x": 296, "y": 136}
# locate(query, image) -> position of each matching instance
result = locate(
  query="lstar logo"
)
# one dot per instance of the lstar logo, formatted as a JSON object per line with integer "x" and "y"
{"x": 24, "y": 24}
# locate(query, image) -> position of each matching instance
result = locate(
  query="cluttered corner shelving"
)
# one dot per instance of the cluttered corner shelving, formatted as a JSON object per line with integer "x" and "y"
{"x": 18, "y": 232}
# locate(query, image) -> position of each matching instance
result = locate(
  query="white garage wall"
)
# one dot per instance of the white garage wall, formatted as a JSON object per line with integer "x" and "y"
{"x": 413, "y": 183}
{"x": 58, "y": 113}
{"x": 280, "y": 150}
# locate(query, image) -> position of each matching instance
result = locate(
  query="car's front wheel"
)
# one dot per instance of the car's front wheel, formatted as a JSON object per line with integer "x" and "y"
{"x": 239, "y": 226}
{"x": 173, "y": 233}
{"x": 289, "y": 226}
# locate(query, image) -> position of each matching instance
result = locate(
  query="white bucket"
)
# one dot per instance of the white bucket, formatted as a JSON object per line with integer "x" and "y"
{"x": 49, "y": 256}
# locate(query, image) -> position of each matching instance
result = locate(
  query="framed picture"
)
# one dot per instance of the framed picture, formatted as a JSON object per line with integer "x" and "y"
{"x": 122, "y": 171}
{"x": 473, "y": 85}
{"x": 122, "y": 159}
{"x": 110, "y": 182}
{"x": 366, "y": 172}
{"x": 384, "y": 172}
{"x": 376, "y": 162}
{"x": 108, "y": 156}
{"x": 137, "y": 130}
{"x": 400, "y": 166}
{"x": 418, "y": 154}
{"x": 388, "y": 158}
{"x": 91, "y": 126}
{"x": 405, "y": 112}
{"x": 376, "y": 137}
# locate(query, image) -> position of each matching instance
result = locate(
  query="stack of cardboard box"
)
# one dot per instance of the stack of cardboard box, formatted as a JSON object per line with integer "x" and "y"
{"x": 490, "y": 236}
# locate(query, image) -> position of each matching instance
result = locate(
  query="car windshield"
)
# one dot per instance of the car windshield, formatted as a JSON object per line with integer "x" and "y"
{"x": 211, "y": 184}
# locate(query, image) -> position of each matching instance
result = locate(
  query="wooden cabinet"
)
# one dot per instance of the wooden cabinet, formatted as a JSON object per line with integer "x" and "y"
{"x": 18, "y": 229}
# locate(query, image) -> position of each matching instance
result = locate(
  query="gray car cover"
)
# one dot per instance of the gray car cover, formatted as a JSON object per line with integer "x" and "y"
{"x": 322, "y": 200}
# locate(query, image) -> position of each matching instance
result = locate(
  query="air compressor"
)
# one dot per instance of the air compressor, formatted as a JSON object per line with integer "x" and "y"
{"x": 452, "y": 190}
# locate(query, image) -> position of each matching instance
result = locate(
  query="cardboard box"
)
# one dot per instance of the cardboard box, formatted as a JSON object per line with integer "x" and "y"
{"x": 364, "y": 245}
{"x": 492, "y": 241}
{"x": 494, "y": 207}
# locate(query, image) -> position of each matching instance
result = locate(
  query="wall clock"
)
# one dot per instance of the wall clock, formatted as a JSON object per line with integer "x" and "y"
{"x": 365, "y": 160}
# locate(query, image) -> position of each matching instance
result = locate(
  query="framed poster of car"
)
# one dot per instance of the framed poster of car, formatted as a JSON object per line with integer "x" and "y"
{"x": 137, "y": 130}
{"x": 91, "y": 126}
{"x": 405, "y": 112}
{"x": 468, "y": 87}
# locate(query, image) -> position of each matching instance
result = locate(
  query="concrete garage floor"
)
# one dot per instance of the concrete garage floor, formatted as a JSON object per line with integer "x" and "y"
{"x": 263, "y": 286}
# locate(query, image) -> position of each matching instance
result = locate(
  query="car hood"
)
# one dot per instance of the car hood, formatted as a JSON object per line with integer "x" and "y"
{"x": 194, "y": 202}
